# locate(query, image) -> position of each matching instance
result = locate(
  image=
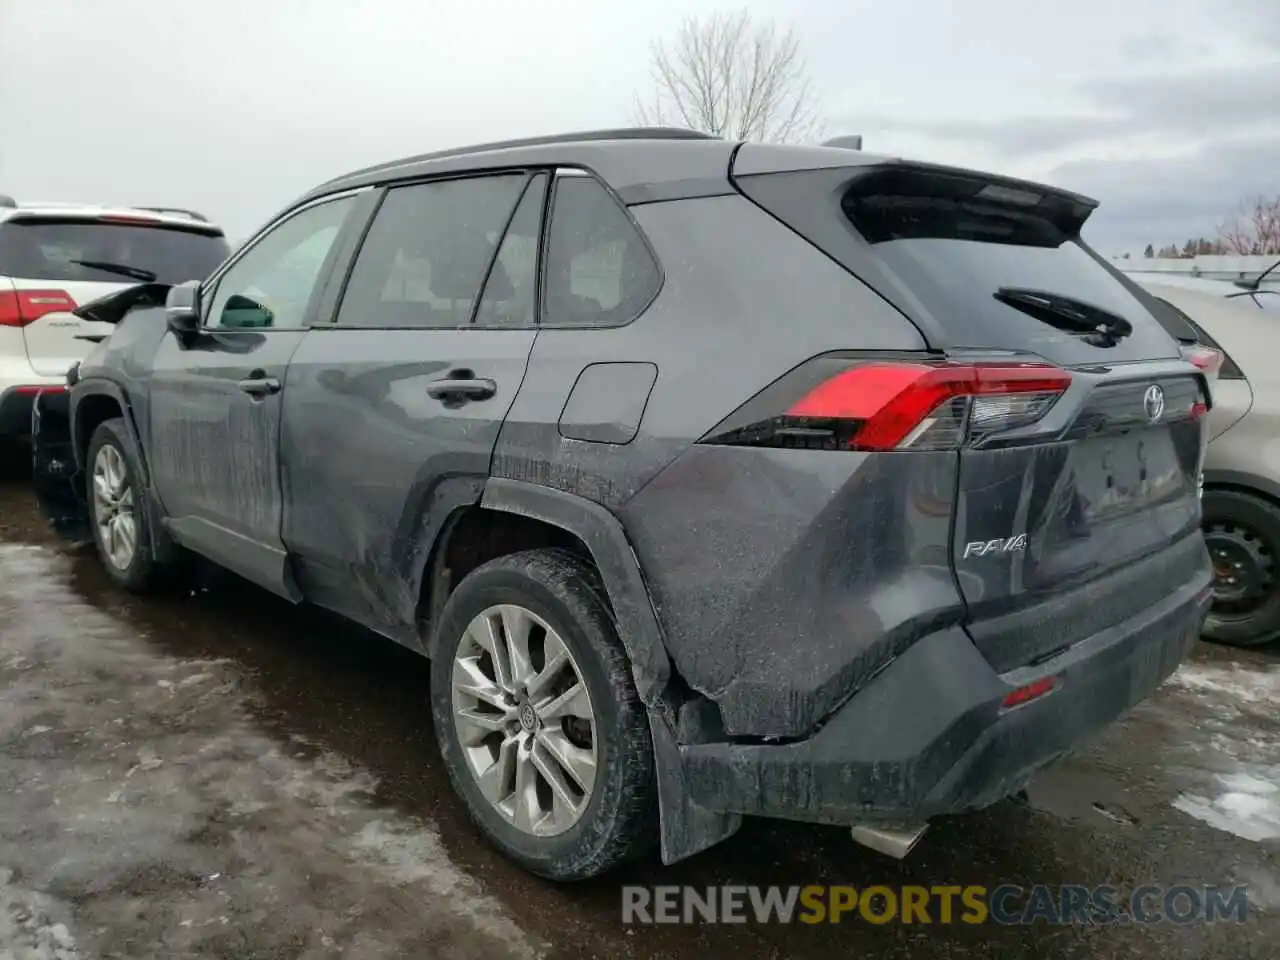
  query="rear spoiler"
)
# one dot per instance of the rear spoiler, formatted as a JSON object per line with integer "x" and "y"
{"x": 113, "y": 307}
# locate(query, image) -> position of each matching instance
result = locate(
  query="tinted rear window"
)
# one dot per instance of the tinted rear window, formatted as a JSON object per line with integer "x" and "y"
{"x": 61, "y": 249}
{"x": 955, "y": 254}
{"x": 973, "y": 261}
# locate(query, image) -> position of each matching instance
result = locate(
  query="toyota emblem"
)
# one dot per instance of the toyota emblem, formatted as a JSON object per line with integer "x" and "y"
{"x": 1153, "y": 402}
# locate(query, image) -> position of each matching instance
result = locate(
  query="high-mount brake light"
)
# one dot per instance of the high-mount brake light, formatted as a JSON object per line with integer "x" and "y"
{"x": 888, "y": 405}
{"x": 21, "y": 307}
{"x": 127, "y": 218}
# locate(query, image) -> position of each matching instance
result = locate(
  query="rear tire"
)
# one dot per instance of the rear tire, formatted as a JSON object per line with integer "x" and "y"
{"x": 552, "y": 603}
{"x": 118, "y": 515}
{"x": 1242, "y": 532}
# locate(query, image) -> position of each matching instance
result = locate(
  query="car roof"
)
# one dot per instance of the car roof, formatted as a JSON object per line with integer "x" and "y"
{"x": 635, "y": 162}
{"x": 164, "y": 216}
{"x": 641, "y": 164}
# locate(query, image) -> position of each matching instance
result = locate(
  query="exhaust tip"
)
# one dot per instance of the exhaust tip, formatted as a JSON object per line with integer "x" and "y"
{"x": 895, "y": 842}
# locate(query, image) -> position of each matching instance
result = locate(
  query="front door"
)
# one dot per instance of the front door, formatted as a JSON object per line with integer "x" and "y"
{"x": 216, "y": 397}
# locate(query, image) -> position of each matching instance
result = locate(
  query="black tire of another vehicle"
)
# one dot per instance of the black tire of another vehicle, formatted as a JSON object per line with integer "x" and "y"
{"x": 1262, "y": 519}
{"x": 142, "y": 573}
{"x": 619, "y": 822}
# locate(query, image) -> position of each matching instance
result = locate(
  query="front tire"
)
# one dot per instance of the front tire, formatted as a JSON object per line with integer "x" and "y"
{"x": 1242, "y": 532}
{"x": 538, "y": 720}
{"x": 117, "y": 508}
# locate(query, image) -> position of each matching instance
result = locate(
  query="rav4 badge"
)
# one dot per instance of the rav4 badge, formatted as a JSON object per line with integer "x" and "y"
{"x": 982, "y": 548}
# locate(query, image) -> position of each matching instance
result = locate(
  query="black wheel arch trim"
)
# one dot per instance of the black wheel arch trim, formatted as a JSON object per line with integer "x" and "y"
{"x": 164, "y": 549}
{"x": 605, "y": 538}
{"x": 100, "y": 387}
{"x": 685, "y": 827}
{"x": 1244, "y": 482}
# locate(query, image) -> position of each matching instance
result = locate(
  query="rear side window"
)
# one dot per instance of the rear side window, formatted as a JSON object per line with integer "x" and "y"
{"x": 599, "y": 269}
{"x": 77, "y": 249}
{"x": 510, "y": 294}
{"x": 428, "y": 254}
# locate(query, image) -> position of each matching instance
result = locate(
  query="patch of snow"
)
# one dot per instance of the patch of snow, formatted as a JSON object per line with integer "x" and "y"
{"x": 29, "y": 929}
{"x": 1247, "y": 805}
{"x": 1238, "y": 684}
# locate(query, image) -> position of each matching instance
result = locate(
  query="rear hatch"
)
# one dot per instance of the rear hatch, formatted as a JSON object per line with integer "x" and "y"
{"x": 53, "y": 263}
{"x": 1074, "y": 413}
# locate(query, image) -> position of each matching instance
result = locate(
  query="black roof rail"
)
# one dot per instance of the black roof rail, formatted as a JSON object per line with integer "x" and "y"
{"x": 179, "y": 210}
{"x": 619, "y": 133}
{"x": 7, "y": 201}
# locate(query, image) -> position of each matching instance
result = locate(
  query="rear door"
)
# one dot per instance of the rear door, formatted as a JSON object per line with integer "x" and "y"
{"x": 216, "y": 397}
{"x": 1078, "y": 506}
{"x": 391, "y": 412}
{"x": 56, "y": 263}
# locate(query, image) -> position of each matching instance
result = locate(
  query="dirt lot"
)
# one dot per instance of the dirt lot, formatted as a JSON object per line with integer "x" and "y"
{"x": 221, "y": 775}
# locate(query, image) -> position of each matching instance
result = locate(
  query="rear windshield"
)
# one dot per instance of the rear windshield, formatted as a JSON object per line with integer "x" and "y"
{"x": 71, "y": 250}
{"x": 974, "y": 261}
{"x": 957, "y": 255}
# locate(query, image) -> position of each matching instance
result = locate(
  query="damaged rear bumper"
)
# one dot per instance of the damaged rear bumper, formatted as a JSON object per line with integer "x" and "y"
{"x": 930, "y": 734}
{"x": 54, "y": 474}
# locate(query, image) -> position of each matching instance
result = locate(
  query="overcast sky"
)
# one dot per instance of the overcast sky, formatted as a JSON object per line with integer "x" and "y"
{"x": 1168, "y": 111}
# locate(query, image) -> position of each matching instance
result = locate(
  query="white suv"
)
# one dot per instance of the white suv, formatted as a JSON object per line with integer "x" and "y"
{"x": 55, "y": 257}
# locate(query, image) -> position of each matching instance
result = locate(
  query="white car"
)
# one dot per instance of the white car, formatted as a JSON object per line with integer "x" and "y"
{"x": 1262, "y": 297}
{"x": 55, "y": 257}
{"x": 1242, "y": 466}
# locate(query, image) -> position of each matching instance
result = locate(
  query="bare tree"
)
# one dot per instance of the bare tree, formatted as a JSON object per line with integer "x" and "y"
{"x": 1255, "y": 229}
{"x": 732, "y": 77}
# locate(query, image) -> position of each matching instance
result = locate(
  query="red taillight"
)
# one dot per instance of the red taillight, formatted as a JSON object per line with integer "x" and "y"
{"x": 21, "y": 307}
{"x": 835, "y": 402}
{"x": 894, "y": 400}
{"x": 127, "y": 218}
{"x": 1032, "y": 691}
{"x": 1206, "y": 358}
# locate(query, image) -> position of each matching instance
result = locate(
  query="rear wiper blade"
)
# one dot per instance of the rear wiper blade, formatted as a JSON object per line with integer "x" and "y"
{"x": 123, "y": 269}
{"x": 1096, "y": 325}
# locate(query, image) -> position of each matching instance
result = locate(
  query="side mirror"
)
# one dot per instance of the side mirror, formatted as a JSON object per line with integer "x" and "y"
{"x": 182, "y": 308}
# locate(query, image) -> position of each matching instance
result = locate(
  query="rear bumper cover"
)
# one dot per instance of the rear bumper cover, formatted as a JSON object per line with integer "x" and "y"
{"x": 928, "y": 735}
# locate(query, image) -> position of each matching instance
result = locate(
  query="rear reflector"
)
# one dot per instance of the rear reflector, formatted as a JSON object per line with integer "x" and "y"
{"x": 927, "y": 405}
{"x": 31, "y": 391}
{"x": 1032, "y": 691}
{"x": 21, "y": 307}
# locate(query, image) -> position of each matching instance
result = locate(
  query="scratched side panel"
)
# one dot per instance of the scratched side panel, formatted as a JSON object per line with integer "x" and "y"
{"x": 372, "y": 464}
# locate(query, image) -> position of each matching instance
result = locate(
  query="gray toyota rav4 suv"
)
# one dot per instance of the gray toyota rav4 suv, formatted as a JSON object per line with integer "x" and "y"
{"x": 716, "y": 479}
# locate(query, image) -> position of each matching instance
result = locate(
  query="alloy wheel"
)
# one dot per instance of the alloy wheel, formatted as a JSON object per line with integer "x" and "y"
{"x": 524, "y": 719}
{"x": 113, "y": 507}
